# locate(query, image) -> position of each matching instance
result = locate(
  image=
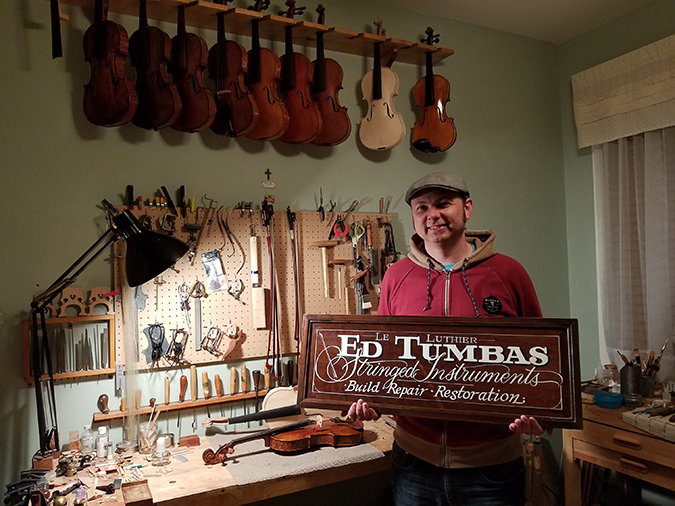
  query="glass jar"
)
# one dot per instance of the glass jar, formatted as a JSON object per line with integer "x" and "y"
{"x": 161, "y": 457}
{"x": 147, "y": 437}
{"x": 88, "y": 441}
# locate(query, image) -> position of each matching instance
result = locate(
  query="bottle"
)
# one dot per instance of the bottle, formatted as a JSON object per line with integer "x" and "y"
{"x": 88, "y": 441}
{"x": 80, "y": 497}
{"x": 161, "y": 457}
{"x": 102, "y": 442}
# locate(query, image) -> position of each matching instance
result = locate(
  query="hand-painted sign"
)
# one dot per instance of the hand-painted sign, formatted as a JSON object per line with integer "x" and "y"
{"x": 479, "y": 369}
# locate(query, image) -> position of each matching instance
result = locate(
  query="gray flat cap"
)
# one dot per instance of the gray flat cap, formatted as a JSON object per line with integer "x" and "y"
{"x": 442, "y": 180}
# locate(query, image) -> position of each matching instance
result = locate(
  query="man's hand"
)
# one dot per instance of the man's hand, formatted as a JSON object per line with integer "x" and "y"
{"x": 360, "y": 411}
{"x": 528, "y": 426}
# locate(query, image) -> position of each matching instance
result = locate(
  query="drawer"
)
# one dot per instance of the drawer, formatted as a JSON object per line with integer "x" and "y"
{"x": 627, "y": 464}
{"x": 631, "y": 444}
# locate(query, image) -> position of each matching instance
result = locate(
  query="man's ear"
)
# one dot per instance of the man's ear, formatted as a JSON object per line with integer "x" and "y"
{"x": 468, "y": 208}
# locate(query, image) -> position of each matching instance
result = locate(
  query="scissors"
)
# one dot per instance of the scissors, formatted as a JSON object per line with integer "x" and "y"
{"x": 356, "y": 231}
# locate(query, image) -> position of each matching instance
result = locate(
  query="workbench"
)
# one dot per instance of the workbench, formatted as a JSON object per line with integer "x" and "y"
{"x": 194, "y": 483}
{"x": 608, "y": 441}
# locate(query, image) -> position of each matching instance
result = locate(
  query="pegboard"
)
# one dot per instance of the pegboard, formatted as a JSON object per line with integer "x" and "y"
{"x": 158, "y": 301}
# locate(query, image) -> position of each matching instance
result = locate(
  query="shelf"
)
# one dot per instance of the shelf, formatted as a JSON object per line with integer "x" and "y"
{"x": 202, "y": 14}
{"x": 75, "y": 356}
{"x": 178, "y": 406}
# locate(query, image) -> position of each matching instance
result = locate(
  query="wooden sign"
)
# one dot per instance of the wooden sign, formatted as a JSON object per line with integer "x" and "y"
{"x": 479, "y": 369}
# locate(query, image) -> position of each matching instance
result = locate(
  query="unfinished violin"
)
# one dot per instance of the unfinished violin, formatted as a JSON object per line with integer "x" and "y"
{"x": 383, "y": 127}
{"x": 434, "y": 131}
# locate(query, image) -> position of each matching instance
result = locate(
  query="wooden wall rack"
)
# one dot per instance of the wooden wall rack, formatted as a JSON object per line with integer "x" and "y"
{"x": 63, "y": 346}
{"x": 202, "y": 14}
{"x": 177, "y": 406}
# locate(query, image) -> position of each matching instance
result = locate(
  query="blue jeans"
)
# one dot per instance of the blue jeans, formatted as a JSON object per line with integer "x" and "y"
{"x": 418, "y": 483}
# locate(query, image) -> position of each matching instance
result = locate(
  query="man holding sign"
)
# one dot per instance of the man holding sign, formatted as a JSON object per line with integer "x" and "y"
{"x": 454, "y": 272}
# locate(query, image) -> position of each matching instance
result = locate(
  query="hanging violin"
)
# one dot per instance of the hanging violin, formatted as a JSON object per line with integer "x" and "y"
{"x": 188, "y": 57}
{"x": 158, "y": 99}
{"x": 264, "y": 71}
{"x": 435, "y": 131}
{"x": 305, "y": 118}
{"x": 109, "y": 97}
{"x": 326, "y": 83}
{"x": 383, "y": 127}
{"x": 228, "y": 61}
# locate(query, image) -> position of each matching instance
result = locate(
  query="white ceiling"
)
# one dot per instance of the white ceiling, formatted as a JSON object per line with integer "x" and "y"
{"x": 550, "y": 20}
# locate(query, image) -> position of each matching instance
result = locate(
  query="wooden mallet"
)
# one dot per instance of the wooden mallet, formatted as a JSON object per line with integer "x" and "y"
{"x": 324, "y": 245}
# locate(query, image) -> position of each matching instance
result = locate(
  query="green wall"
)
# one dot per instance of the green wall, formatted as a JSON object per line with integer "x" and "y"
{"x": 644, "y": 26}
{"x": 56, "y": 168}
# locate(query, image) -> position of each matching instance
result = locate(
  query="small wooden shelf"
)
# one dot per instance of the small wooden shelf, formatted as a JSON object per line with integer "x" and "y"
{"x": 178, "y": 406}
{"x": 202, "y": 14}
{"x": 64, "y": 348}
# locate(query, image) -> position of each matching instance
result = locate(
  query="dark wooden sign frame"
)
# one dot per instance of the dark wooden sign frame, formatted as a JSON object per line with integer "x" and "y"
{"x": 473, "y": 369}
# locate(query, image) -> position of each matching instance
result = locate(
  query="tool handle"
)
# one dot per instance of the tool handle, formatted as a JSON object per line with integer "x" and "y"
{"x": 193, "y": 382}
{"x": 219, "y": 385}
{"x": 183, "y": 388}
{"x": 206, "y": 385}
{"x": 166, "y": 390}
{"x": 233, "y": 381}
{"x": 244, "y": 379}
{"x": 138, "y": 399}
{"x": 268, "y": 380}
{"x": 256, "y": 380}
{"x": 369, "y": 235}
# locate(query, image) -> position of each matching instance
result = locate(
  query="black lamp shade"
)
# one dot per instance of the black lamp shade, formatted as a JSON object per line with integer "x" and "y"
{"x": 148, "y": 253}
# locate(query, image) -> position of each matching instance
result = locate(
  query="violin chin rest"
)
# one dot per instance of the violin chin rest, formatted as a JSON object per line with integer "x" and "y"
{"x": 425, "y": 145}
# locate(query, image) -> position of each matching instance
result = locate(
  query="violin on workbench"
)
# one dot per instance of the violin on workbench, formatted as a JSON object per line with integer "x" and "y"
{"x": 159, "y": 103}
{"x": 293, "y": 437}
{"x": 326, "y": 83}
{"x": 305, "y": 118}
{"x": 237, "y": 111}
{"x": 434, "y": 131}
{"x": 263, "y": 80}
{"x": 382, "y": 128}
{"x": 109, "y": 98}
{"x": 189, "y": 54}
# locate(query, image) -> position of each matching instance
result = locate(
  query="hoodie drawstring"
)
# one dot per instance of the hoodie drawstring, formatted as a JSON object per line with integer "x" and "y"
{"x": 466, "y": 283}
{"x": 428, "y": 306}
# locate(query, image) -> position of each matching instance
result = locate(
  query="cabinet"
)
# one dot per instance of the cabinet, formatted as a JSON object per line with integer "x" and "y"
{"x": 80, "y": 346}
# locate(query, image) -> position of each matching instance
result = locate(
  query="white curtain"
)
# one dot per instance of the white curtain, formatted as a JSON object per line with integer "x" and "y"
{"x": 634, "y": 181}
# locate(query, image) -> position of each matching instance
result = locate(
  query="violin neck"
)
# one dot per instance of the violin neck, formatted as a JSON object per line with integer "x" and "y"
{"x": 429, "y": 98}
{"x": 377, "y": 73}
{"x": 181, "y": 35}
{"x": 271, "y": 432}
{"x": 99, "y": 18}
{"x": 221, "y": 50}
{"x": 320, "y": 65}
{"x": 254, "y": 60}
{"x": 143, "y": 29}
{"x": 288, "y": 67}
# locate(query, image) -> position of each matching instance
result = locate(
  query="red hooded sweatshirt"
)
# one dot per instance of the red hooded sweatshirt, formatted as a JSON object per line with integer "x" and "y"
{"x": 485, "y": 284}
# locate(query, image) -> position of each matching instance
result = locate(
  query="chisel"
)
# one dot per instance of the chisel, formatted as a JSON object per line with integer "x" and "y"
{"x": 244, "y": 384}
{"x": 233, "y": 381}
{"x": 256, "y": 387}
{"x": 166, "y": 391}
{"x": 219, "y": 390}
{"x": 206, "y": 387}
{"x": 193, "y": 394}
{"x": 181, "y": 394}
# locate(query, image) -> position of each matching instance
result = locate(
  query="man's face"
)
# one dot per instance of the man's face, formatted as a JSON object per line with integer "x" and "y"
{"x": 440, "y": 215}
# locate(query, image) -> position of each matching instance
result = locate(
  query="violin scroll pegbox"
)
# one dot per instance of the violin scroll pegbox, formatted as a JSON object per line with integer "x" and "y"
{"x": 431, "y": 38}
{"x": 259, "y": 6}
{"x": 292, "y": 10}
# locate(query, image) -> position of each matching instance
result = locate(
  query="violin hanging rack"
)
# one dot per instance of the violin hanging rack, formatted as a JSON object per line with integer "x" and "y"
{"x": 202, "y": 14}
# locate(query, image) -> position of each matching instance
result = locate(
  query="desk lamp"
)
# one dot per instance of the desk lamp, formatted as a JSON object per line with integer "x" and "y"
{"x": 148, "y": 255}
